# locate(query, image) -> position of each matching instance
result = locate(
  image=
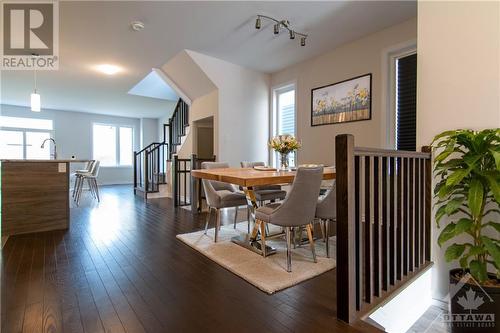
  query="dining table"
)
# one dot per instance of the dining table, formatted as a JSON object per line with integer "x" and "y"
{"x": 248, "y": 179}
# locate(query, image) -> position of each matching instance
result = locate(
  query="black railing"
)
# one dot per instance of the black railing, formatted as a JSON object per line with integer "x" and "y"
{"x": 177, "y": 126}
{"x": 186, "y": 190}
{"x": 150, "y": 167}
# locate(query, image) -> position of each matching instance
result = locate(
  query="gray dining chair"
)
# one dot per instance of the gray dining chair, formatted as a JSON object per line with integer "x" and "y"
{"x": 326, "y": 212}
{"x": 265, "y": 192}
{"x": 297, "y": 210}
{"x": 220, "y": 195}
{"x": 91, "y": 178}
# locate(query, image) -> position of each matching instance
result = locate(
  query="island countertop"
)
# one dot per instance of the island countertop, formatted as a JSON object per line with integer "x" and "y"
{"x": 46, "y": 161}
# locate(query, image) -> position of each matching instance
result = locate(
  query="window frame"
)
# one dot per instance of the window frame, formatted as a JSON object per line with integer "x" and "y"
{"x": 117, "y": 146}
{"x": 392, "y": 56}
{"x": 273, "y": 116}
{"x": 25, "y": 130}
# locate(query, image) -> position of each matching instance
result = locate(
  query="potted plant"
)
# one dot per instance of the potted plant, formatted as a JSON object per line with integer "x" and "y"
{"x": 284, "y": 145}
{"x": 467, "y": 168}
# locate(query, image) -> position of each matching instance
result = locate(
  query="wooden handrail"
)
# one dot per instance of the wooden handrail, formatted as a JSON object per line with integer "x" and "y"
{"x": 383, "y": 223}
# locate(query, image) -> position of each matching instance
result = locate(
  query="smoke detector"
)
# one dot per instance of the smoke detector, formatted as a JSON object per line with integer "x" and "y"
{"x": 137, "y": 25}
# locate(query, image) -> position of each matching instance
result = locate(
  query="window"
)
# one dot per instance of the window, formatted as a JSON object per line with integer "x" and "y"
{"x": 112, "y": 145}
{"x": 406, "y": 102}
{"x": 283, "y": 119}
{"x": 21, "y": 138}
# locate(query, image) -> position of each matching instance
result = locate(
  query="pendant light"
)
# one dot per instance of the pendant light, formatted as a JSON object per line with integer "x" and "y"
{"x": 35, "y": 97}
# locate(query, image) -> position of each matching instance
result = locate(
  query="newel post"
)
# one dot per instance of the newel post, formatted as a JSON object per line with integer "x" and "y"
{"x": 428, "y": 201}
{"x": 346, "y": 265}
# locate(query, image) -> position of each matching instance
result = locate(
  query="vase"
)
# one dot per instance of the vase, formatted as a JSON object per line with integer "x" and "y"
{"x": 284, "y": 162}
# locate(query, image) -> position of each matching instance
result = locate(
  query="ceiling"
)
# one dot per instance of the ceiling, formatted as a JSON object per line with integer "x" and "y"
{"x": 97, "y": 32}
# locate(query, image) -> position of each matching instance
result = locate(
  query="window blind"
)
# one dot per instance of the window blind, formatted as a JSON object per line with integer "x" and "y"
{"x": 406, "y": 103}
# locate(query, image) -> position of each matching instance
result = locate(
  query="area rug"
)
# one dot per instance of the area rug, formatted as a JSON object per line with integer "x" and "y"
{"x": 268, "y": 274}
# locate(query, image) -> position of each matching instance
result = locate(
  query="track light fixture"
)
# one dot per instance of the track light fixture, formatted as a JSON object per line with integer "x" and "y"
{"x": 257, "y": 23}
{"x": 277, "y": 26}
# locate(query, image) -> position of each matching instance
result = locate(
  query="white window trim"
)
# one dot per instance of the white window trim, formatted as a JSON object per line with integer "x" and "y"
{"x": 388, "y": 122}
{"x": 275, "y": 90}
{"x": 26, "y": 130}
{"x": 117, "y": 146}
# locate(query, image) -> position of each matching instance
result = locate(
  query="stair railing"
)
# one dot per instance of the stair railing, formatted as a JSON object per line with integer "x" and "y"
{"x": 177, "y": 127}
{"x": 150, "y": 167}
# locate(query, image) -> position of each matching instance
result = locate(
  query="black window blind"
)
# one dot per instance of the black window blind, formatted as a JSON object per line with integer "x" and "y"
{"x": 406, "y": 125}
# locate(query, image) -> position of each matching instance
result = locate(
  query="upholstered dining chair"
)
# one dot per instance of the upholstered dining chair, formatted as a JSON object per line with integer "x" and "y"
{"x": 297, "y": 210}
{"x": 265, "y": 192}
{"x": 326, "y": 212}
{"x": 220, "y": 195}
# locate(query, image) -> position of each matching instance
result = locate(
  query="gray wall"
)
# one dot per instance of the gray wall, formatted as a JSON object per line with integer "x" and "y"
{"x": 73, "y": 133}
{"x": 149, "y": 131}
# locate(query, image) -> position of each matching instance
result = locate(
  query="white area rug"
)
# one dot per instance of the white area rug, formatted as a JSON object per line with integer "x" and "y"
{"x": 268, "y": 274}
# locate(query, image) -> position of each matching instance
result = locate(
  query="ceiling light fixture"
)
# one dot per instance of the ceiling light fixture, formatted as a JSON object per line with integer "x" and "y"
{"x": 278, "y": 24}
{"x": 35, "y": 96}
{"x": 108, "y": 69}
{"x": 137, "y": 25}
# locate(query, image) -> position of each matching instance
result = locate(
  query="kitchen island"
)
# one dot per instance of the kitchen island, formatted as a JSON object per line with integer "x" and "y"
{"x": 35, "y": 195}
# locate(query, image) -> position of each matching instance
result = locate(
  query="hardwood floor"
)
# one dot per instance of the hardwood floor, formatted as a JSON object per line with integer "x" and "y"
{"x": 120, "y": 269}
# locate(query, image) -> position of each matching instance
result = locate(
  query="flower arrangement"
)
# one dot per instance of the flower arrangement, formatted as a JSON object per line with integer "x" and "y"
{"x": 284, "y": 144}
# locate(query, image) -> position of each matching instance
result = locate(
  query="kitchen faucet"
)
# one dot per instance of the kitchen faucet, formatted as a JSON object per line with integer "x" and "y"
{"x": 55, "y": 147}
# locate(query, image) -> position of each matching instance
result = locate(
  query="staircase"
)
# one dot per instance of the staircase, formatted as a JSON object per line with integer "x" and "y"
{"x": 178, "y": 127}
{"x": 152, "y": 163}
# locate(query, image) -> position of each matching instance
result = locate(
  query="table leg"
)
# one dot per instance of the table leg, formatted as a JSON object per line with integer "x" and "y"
{"x": 251, "y": 241}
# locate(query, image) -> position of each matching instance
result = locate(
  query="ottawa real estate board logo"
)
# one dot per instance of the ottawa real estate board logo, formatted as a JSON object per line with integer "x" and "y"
{"x": 30, "y": 34}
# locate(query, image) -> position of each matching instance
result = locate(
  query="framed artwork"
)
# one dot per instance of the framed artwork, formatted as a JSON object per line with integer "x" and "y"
{"x": 342, "y": 102}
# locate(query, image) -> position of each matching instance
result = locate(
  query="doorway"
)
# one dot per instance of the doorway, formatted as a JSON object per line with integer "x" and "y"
{"x": 204, "y": 138}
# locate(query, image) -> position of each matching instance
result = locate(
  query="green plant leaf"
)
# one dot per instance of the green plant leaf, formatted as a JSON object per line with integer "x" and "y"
{"x": 478, "y": 270}
{"x": 453, "y": 205}
{"x": 440, "y": 213}
{"x": 494, "y": 225}
{"x": 496, "y": 156}
{"x": 454, "y": 252}
{"x": 443, "y": 134}
{"x": 457, "y": 176}
{"x": 463, "y": 225}
{"x": 493, "y": 249}
{"x": 475, "y": 250}
{"x": 464, "y": 261}
{"x": 475, "y": 197}
{"x": 447, "y": 233}
{"x": 495, "y": 187}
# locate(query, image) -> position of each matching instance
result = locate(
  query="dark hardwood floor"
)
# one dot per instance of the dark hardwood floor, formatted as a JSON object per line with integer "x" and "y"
{"x": 119, "y": 268}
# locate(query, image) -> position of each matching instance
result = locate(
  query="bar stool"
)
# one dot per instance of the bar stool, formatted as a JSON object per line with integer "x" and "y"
{"x": 87, "y": 169}
{"x": 91, "y": 178}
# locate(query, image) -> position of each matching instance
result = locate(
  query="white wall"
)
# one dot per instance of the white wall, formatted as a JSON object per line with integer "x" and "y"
{"x": 365, "y": 55}
{"x": 149, "y": 131}
{"x": 73, "y": 134}
{"x": 243, "y": 99}
{"x": 458, "y": 80}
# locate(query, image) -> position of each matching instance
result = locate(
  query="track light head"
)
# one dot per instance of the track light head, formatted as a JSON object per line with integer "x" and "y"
{"x": 257, "y": 23}
{"x": 276, "y": 28}
{"x": 302, "y": 41}
{"x": 292, "y": 34}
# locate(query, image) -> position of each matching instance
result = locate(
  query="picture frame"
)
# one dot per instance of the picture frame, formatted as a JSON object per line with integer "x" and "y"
{"x": 342, "y": 102}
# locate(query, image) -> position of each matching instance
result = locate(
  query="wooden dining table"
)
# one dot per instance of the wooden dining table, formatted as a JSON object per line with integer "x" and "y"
{"x": 248, "y": 179}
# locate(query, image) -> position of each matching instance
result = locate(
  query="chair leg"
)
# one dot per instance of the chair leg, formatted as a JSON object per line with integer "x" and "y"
{"x": 91, "y": 187}
{"x": 96, "y": 188}
{"x": 322, "y": 227}
{"x": 326, "y": 224}
{"x": 74, "y": 185}
{"x": 208, "y": 219}
{"x": 263, "y": 238}
{"x": 235, "y": 216}
{"x": 311, "y": 241}
{"x": 217, "y": 224}
{"x": 288, "y": 235}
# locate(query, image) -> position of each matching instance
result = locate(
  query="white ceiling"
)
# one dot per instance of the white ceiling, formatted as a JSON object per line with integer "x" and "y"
{"x": 96, "y": 32}
{"x": 155, "y": 87}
